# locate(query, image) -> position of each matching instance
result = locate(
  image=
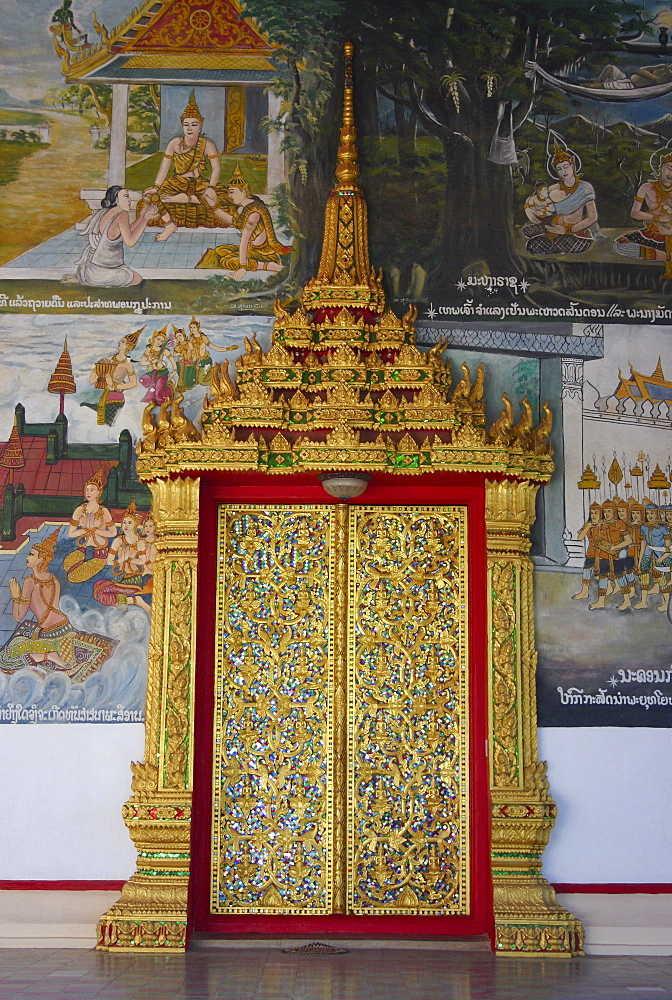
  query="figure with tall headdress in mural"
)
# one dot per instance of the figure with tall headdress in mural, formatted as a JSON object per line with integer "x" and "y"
{"x": 201, "y": 345}
{"x": 187, "y": 198}
{"x": 185, "y": 361}
{"x": 48, "y": 641}
{"x": 91, "y": 525}
{"x": 655, "y": 549}
{"x": 114, "y": 376}
{"x": 652, "y": 205}
{"x": 259, "y": 249}
{"x": 157, "y": 362}
{"x": 128, "y": 558}
{"x": 573, "y": 225}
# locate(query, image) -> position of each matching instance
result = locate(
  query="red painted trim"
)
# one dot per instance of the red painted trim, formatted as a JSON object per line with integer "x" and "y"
{"x": 467, "y": 489}
{"x": 63, "y": 885}
{"x": 614, "y": 888}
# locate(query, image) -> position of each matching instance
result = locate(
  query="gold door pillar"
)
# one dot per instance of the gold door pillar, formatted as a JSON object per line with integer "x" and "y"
{"x": 528, "y": 918}
{"x": 152, "y": 911}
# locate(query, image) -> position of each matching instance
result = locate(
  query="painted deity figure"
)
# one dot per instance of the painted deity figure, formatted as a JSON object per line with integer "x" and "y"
{"x": 187, "y": 198}
{"x": 652, "y": 205}
{"x": 259, "y": 248}
{"x": 201, "y": 345}
{"x": 92, "y": 526}
{"x": 158, "y": 364}
{"x": 63, "y": 25}
{"x": 108, "y": 231}
{"x": 573, "y": 225}
{"x": 114, "y": 376}
{"x": 127, "y": 557}
{"x": 48, "y": 641}
{"x": 185, "y": 360}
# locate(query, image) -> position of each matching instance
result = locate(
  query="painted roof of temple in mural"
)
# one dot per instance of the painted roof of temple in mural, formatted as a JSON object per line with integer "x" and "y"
{"x": 343, "y": 385}
{"x": 172, "y": 41}
{"x": 654, "y": 387}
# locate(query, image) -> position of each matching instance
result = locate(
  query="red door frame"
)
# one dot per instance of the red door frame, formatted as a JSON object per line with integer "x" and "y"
{"x": 435, "y": 488}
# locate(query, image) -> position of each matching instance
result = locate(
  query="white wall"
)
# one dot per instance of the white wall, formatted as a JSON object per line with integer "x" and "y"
{"x": 63, "y": 787}
{"x": 613, "y": 788}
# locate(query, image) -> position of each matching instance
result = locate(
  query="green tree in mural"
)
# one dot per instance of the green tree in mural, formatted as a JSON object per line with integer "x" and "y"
{"x": 306, "y": 35}
{"x": 461, "y": 70}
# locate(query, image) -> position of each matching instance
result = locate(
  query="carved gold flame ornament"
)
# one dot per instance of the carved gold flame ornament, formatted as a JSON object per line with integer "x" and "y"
{"x": 342, "y": 389}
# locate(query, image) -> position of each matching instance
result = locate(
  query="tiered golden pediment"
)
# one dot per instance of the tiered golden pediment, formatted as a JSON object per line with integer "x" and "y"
{"x": 362, "y": 396}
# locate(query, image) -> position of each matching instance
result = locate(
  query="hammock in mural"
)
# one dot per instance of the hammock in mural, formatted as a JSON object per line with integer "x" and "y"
{"x": 621, "y": 88}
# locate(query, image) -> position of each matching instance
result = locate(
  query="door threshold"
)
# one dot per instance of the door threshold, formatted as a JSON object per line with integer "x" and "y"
{"x": 479, "y": 942}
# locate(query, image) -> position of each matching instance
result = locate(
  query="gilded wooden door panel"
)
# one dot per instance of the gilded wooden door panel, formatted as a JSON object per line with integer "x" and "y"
{"x": 273, "y": 759}
{"x": 298, "y": 766}
{"x": 408, "y": 781}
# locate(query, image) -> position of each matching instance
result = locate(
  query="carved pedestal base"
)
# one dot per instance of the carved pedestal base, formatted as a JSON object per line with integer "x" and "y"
{"x": 152, "y": 911}
{"x": 528, "y": 918}
{"x": 150, "y": 916}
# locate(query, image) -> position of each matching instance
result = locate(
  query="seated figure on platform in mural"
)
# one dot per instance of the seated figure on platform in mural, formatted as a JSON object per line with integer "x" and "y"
{"x": 127, "y": 557}
{"x": 259, "y": 249}
{"x": 573, "y": 225}
{"x": 653, "y": 206}
{"x": 200, "y": 351}
{"x": 108, "y": 230}
{"x": 156, "y": 361}
{"x": 115, "y": 376}
{"x": 92, "y": 526}
{"x": 187, "y": 198}
{"x": 48, "y": 640}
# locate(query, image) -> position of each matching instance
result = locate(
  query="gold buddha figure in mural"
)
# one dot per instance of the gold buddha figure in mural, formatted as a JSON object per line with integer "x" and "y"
{"x": 188, "y": 197}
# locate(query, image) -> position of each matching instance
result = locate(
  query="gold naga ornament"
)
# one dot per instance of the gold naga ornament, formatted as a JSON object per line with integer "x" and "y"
{"x": 343, "y": 388}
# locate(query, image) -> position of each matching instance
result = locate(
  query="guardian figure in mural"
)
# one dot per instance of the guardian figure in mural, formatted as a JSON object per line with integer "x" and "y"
{"x": 128, "y": 558}
{"x": 187, "y": 197}
{"x": 48, "y": 640}
{"x": 92, "y": 527}
{"x": 611, "y": 548}
{"x": 655, "y": 556}
{"x": 652, "y": 206}
{"x": 573, "y": 225}
{"x": 108, "y": 231}
{"x": 259, "y": 249}
{"x": 114, "y": 376}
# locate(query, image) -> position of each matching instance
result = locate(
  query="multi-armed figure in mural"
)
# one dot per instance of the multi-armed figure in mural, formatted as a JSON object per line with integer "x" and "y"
{"x": 187, "y": 198}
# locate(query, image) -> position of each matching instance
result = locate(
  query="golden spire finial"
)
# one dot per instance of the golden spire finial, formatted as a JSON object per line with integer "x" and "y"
{"x": 347, "y": 168}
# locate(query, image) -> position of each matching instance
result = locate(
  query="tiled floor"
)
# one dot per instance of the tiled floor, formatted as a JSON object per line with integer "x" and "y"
{"x": 362, "y": 974}
{"x": 183, "y": 249}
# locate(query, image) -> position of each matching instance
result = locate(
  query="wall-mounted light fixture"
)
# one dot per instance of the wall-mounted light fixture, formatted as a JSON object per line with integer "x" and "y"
{"x": 345, "y": 485}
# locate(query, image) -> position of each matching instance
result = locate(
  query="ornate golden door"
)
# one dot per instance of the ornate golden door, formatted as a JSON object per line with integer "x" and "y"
{"x": 341, "y": 724}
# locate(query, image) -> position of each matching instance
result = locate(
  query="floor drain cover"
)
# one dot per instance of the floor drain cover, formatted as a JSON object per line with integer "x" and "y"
{"x": 316, "y": 948}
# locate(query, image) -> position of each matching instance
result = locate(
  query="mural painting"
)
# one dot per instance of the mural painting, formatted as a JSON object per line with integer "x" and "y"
{"x": 78, "y": 538}
{"x": 516, "y": 168}
{"x": 164, "y": 168}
